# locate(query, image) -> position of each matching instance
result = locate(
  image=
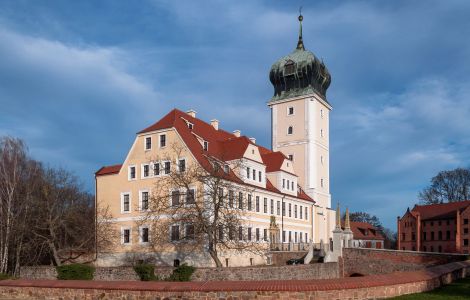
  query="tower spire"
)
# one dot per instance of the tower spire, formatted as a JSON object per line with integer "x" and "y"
{"x": 347, "y": 224}
{"x": 300, "y": 43}
{"x": 338, "y": 218}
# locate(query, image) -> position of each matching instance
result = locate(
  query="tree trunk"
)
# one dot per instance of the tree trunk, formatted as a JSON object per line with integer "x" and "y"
{"x": 215, "y": 258}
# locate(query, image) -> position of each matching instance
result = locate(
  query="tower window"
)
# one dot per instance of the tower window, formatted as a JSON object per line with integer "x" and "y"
{"x": 289, "y": 68}
{"x": 321, "y": 132}
{"x": 321, "y": 113}
{"x": 290, "y": 130}
{"x": 290, "y": 110}
{"x": 291, "y": 157}
{"x": 321, "y": 182}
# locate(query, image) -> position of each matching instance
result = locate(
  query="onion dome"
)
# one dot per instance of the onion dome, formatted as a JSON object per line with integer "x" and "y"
{"x": 299, "y": 73}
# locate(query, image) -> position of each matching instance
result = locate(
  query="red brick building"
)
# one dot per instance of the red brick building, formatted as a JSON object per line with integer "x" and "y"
{"x": 435, "y": 228}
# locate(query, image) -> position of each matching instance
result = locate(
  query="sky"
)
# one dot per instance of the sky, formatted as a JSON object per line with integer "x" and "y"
{"x": 78, "y": 79}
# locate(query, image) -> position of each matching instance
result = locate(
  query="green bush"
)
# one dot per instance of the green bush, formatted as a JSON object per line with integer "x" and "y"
{"x": 75, "y": 272}
{"x": 145, "y": 272}
{"x": 182, "y": 273}
{"x": 4, "y": 276}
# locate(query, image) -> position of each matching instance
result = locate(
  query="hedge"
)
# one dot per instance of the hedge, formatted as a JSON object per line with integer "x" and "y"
{"x": 75, "y": 272}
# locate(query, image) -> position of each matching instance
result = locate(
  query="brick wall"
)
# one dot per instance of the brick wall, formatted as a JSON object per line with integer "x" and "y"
{"x": 312, "y": 271}
{"x": 375, "y": 261}
{"x": 369, "y": 287}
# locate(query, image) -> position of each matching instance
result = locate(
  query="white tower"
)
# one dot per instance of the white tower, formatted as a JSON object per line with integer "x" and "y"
{"x": 300, "y": 127}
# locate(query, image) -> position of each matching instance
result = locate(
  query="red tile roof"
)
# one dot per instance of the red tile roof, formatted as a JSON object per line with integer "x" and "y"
{"x": 108, "y": 170}
{"x": 439, "y": 211}
{"x": 223, "y": 146}
{"x": 365, "y": 231}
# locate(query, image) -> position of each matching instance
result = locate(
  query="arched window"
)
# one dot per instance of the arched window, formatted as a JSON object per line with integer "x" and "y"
{"x": 290, "y": 130}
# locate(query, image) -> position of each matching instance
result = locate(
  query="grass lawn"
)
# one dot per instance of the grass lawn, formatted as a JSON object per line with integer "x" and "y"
{"x": 458, "y": 290}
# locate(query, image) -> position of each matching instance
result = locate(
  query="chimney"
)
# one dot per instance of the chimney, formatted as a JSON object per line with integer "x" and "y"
{"x": 253, "y": 140}
{"x": 237, "y": 133}
{"x": 215, "y": 124}
{"x": 192, "y": 113}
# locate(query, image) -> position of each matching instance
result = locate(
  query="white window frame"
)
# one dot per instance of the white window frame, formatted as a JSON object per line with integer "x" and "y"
{"x": 129, "y": 173}
{"x": 288, "y": 127}
{"x": 293, "y": 110}
{"x": 122, "y": 235}
{"x": 178, "y": 164}
{"x": 142, "y": 175}
{"x": 164, "y": 169}
{"x": 141, "y": 235}
{"x": 140, "y": 198}
{"x": 145, "y": 143}
{"x": 159, "y": 169}
{"x": 159, "y": 140}
{"x": 122, "y": 202}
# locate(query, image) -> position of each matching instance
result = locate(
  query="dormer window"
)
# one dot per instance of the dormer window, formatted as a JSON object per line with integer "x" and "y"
{"x": 290, "y": 130}
{"x": 289, "y": 68}
{"x": 226, "y": 169}
{"x": 206, "y": 145}
{"x": 190, "y": 125}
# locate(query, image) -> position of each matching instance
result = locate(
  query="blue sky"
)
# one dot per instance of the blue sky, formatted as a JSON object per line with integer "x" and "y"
{"x": 78, "y": 79}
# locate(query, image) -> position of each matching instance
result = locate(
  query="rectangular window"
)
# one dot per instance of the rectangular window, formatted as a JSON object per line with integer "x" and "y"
{"x": 249, "y": 233}
{"x": 146, "y": 170}
{"x": 156, "y": 169}
{"x": 190, "y": 198}
{"x": 306, "y": 237}
{"x": 126, "y": 236}
{"x": 145, "y": 200}
{"x": 465, "y": 221}
{"x": 447, "y": 235}
{"x": 240, "y": 233}
{"x": 175, "y": 198}
{"x": 148, "y": 143}
{"x": 248, "y": 172}
{"x": 190, "y": 232}
{"x": 424, "y": 236}
{"x": 295, "y": 237}
{"x": 221, "y": 196}
{"x": 291, "y": 110}
{"x": 290, "y": 236}
{"x": 175, "y": 233}
{"x": 465, "y": 242}
{"x": 206, "y": 146}
{"x": 283, "y": 209}
{"x": 465, "y": 231}
{"x": 265, "y": 209}
{"x": 230, "y": 198}
{"x": 221, "y": 233}
{"x": 226, "y": 169}
{"x": 126, "y": 203}
{"x": 182, "y": 165}
{"x": 288, "y": 183}
{"x": 272, "y": 207}
{"x": 162, "y": 140}
{"x": 283, "y": 236}
{"x": 300, "y": 211}
{"x": 254, "y": 174}
{"x": 257, "y": 204}
{"x": 278, "y": 208}
{"x": 290, "y": 210}
{"x": 257, "y": 234}
{"x": 306, "y": 214}
{"x": 432, "y": 236}
{"x": 249, "y": 202}
{"x": 167, "y": 167}
{"x": 292, "y": 185}
{"x": 240, "y": 200}
{"x": 144, "y": 235}
{"x": 131, "y": 172}
{"x": 295, "y": 211}
{"x": 283, "y": 183}
{"x": 291, "y": 157}
{"x": 265, "y": 234}
{"x": 259, "y": 176}
{"x": 230, "y": 233}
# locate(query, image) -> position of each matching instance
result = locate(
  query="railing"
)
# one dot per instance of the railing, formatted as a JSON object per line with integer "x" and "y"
{"x": 289, "y": 247}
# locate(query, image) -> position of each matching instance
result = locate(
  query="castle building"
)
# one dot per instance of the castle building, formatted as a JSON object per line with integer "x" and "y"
{"x": 435, "y": 228}
{"x": 286, "y": 188}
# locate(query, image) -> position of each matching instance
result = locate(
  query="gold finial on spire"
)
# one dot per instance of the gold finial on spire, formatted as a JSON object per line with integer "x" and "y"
{"x": 300, "y": 43}
{"x": 338, "y": 217}
{"x": 347, "y": 224}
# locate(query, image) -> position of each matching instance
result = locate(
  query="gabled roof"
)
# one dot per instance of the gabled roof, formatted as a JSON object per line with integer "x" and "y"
{"x": 223, "y": 146}
{"x": 365, "y": 231}
{"x": 440, "y": 211}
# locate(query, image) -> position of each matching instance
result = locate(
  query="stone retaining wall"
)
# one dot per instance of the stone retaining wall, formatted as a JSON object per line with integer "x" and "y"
{"x": 382, "y": 261}
{"x": 368, "y": 287}
{"x": 312, "y": 271}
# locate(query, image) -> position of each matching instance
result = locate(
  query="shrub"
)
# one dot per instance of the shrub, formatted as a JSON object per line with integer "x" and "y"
{"x": 182, "y": 273}
{"x": 75, "y": 272}
{"x": 145, "y": 272}
{"x": 4, "y": 276}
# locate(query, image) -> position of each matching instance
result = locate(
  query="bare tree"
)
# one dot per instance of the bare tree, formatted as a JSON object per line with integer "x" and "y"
{"x": 447, "y": 186}
{"x": 199, "y": 207}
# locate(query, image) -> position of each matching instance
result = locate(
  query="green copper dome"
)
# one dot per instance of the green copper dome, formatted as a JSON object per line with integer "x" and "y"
{"x": 299, "y": 73}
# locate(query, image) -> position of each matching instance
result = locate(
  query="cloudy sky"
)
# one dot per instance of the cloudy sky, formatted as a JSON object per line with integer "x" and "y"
{"x": 78, "y": 79}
